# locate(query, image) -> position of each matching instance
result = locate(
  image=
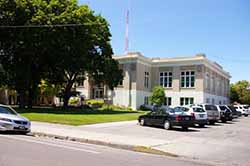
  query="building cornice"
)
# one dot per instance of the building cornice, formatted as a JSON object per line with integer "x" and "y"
{"x": 199, "y": 59}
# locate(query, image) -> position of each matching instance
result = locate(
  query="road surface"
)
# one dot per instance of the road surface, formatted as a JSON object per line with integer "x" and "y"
{"x": 20, "y": 150}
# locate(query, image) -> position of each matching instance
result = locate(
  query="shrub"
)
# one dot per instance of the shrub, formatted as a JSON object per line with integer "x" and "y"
{"x": 74, "y": 100}
{"x": 95, "y": 103}
{"x": 144, "y": 108}
{"x": 130, "y": 109}
{"x": 158, "y": 95}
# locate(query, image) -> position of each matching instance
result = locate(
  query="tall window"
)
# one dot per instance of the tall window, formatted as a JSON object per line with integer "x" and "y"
{"x": 146, "y": 80}
{"x": 166, "y": 79}
{"x": 81, "y": 83}
{"x": 186, "y": 100}
{"x": 168, "y": 101}
{"x": 207, "y": 81}
{"x": 187, "y": 79}
{"x": 146, "y": 100}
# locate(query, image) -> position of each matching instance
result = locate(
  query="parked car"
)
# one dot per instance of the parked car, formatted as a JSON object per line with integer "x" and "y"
{"x": 167, "y": 118}
{"x": 241, "y": 109}
{"x": 225, "y": 113}
{"x": 235, "y": 113}
{"x": 197, "y": 112}
{"x": 10, "y": 120}
{"x": 213, "y": 114}
{"x": 247, "y": 109}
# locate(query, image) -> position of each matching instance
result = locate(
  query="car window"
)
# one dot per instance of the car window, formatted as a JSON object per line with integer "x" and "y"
{"x": 196, "y": 109}
{"x": 223, "y": 108}
{"x": 246, "y": 107}
{"x": 232, "y": 108}
{"x": 201, "y": 106}
{"x": 182, "y": 109}
{"x": 7, "y": 110}
{"x": 210, "y": 107}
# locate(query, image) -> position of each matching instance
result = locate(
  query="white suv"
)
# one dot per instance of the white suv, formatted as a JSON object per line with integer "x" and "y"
{"x": 243, "y": 109}
{"x": 197, "y": 112}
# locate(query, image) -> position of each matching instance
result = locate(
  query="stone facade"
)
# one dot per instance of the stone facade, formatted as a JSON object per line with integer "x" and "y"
{"x": 193, "y": 79}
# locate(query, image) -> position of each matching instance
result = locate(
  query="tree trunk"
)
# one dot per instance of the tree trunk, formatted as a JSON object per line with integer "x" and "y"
{"x": 30, "y": 98}
{"x": 67, "y": 95}
{"x": 22, "y": 99}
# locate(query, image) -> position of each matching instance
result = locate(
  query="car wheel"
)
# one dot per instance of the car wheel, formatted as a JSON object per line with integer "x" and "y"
{"x": 223, "y": 121}
{"x": 185, "y": 128}
{"x": 211, "y": 122}
{"x": 246, "y": 115}
{"x": 167, "y": 125}
{"x": 201, "y": 125}
{"x": 142, "y": 122}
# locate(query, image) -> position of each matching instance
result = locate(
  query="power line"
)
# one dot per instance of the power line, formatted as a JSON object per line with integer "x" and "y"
{"x": 48, "y": 26}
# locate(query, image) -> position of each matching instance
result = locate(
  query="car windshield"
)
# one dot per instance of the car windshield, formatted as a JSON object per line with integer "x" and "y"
{"x": 167, "y": 110}
{"x": 181, "y": 109}
{"x": 210, "y": 107}
{"x": 223, "y": 108}
{"x": 232, "y": 108}
{"x": 7, "y": 110}
{"x": 178, "y": 110}
{"x": 246, "y": 107}
{"x": 196, "y": 109}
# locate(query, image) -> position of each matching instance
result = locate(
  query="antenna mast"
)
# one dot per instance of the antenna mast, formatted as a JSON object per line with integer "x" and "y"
{"x": 127, "y": 31}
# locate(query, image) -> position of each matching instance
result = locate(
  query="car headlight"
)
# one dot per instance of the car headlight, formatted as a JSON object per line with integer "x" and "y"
{"x": 5, "y": 119}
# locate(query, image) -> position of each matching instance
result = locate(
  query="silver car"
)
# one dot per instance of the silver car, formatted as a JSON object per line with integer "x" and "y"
{"x": 10, "y": 120}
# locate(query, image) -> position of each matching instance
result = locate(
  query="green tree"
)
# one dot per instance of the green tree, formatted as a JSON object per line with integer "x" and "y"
{"x": 158, "y": 95}
{"x": 58, "y": 54}
{"x": 240, "y": 92}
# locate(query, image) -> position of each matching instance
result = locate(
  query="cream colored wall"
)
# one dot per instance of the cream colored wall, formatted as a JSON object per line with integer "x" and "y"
{"x": 220, "y": 85}
{"x": 141, "y": 69}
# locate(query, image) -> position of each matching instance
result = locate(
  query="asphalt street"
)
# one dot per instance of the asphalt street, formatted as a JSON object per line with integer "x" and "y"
{"x": 20, "y": 150}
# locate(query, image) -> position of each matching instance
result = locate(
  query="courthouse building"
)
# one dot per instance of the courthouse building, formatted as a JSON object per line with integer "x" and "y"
{"x": 186, "y": 80}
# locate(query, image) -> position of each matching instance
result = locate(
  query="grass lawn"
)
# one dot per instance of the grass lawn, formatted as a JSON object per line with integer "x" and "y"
{"x": 74, "y": 116}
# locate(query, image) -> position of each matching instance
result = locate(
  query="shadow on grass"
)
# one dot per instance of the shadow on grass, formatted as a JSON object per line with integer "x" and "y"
{"x": 74, "y": 111}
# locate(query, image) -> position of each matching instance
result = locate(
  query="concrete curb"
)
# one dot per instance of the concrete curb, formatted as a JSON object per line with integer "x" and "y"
{"x": 135, "y": 148}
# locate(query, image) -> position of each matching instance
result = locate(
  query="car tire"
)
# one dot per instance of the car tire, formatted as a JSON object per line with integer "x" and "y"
{"x": 211, "y": 122}
{"x": 246, "y": 115}
{"x": 185, "y": 128}
{"x": 223, "y": 121}
{"x": 142, "y": 122}
{"x": 202, "y": 125}
{"x": 167, "y": 125}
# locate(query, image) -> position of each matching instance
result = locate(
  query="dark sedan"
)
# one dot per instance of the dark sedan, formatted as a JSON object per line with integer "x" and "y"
{"x": 167, "y": 118}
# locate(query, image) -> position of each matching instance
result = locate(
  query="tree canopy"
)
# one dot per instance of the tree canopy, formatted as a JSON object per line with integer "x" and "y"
{"x": 54, "y": 40}
{"x": 240, "y": 92}
{"x": 158, "y": 96}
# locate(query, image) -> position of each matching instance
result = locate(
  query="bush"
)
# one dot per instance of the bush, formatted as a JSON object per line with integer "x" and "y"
{"x": 74, "y": 100}
{"x": 95, "y": 103}
{"x": 144, "y": 108}
{"x": 158, "y": 96}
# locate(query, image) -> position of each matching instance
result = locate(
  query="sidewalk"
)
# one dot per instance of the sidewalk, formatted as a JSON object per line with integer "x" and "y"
{"x": 85, "y": 134}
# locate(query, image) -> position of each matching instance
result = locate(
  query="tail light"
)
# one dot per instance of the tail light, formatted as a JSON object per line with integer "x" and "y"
{"x": 178, "y": 118}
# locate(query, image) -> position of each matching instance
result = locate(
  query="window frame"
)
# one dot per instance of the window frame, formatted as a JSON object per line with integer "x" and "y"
{"x": 186, "y": 101}
{"x": 167, "y": 79}
{"x": 186, "y": 79}
{"x": 168, "y": 101}
{"x": 146, "y": 79}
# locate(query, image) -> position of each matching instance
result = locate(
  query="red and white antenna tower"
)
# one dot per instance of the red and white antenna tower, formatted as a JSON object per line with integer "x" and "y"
{"x": 127, "y": 31}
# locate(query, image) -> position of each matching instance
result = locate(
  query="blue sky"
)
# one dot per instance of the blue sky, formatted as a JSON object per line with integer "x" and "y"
{"x": 169, "y": 28}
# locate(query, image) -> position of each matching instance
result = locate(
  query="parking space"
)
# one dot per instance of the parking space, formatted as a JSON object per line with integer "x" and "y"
{"x": 222, "y": 143}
